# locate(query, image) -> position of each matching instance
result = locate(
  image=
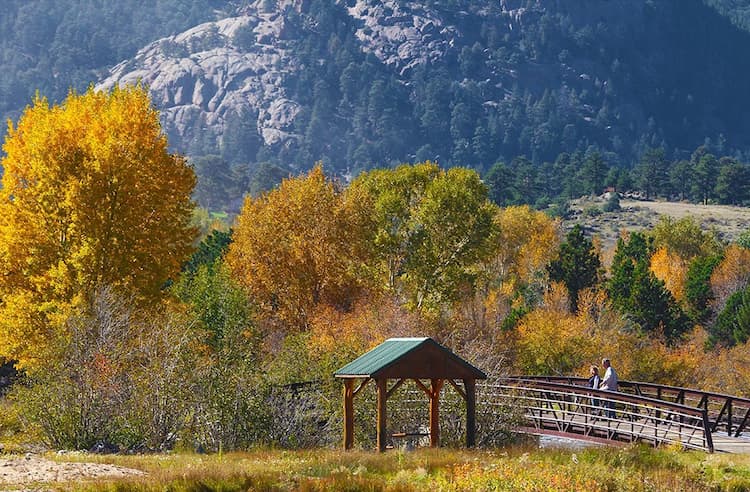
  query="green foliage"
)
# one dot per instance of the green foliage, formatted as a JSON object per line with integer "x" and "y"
{"x": 577, "y": 266}
{"x": 732, "y": 326}
{"x": 698, "y": 286}
{"x": 211, "y": 249}
{"x": 641, "y": 296}
{"x": 612, "y": 204}
{"x": 685, "y": 237}
{"x": 430, "y": 227}
{"x": 744, "y": 240}
{"x": 652, "y": 172}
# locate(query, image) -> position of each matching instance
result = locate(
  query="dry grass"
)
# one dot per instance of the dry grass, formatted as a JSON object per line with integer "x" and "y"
{"x": 593, "y": 469}
{"x": 727, "y": 221}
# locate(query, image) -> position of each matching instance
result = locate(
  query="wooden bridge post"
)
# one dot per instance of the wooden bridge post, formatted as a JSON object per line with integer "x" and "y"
{"x": 382, "y": 384}
{"x": 348, "y": 413}
{"x": 471, "y": 412}
{"x": 435, "y": 386}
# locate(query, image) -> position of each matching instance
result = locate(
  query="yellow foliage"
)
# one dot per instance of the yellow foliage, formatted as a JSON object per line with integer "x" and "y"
{"x": 727, "y": 371}
{"x": 634, "y": 356}
{"x": 731, "y": 275}
{"x": 671, "y": 269}
{"x": 526, "y": 242}
{"x": 551, "y": 342}
{"x": 90, "y": 197}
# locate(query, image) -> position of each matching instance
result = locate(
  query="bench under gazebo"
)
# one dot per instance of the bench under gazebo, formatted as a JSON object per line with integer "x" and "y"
{"x": 415, "y": 359}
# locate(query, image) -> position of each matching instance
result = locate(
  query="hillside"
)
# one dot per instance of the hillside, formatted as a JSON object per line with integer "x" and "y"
{"x": 253, "y": 90}
{"x": 637, "y": 215}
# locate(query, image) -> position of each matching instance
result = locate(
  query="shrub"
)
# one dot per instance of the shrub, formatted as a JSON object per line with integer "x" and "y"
{"x": 123, "y": 380}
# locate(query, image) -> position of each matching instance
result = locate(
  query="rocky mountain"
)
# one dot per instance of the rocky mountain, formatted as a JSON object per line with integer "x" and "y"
{"x": 619, "y": 74}
{"x": 256, "y": 88}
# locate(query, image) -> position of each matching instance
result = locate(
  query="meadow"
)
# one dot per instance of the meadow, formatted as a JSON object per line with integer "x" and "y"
{"x": 526, "y": 468}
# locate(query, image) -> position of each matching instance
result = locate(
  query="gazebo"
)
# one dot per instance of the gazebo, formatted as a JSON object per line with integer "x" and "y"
{"x": 415, "y": 359}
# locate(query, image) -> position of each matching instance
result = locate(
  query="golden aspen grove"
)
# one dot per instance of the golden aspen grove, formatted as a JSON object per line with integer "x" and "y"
{"x": 90, "y": 197}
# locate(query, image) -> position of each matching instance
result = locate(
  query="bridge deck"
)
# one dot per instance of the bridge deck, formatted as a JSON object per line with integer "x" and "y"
{"x": 727, "y": 444}
{"x": 659, "y": 415}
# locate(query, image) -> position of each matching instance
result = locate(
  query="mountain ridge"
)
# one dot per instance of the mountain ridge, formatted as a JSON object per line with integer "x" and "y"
{"x": 359, "y": 83}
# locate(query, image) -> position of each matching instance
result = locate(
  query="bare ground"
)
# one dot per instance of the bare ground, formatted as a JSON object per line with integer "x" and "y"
{"x": 35, "y": 471}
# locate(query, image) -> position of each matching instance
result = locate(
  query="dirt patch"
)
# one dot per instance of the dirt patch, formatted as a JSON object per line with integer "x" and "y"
{"x": 34, "y": 470}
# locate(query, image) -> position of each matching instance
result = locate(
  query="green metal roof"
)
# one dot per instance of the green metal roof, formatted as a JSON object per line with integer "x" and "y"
{"x": 391, "y": 351}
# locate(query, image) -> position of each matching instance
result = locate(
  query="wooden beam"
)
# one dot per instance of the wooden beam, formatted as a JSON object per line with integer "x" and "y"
{"x": 471, "y": 412}
{"x": 395, "y": 387}
{"x": 382, "y": 385}
{"x": 458, "y": 388}
{"x": 362, "y": 385}
{"x": 436, "y": 386}
{"x": 421, "y": 385}
{"x": 348, "y": 413}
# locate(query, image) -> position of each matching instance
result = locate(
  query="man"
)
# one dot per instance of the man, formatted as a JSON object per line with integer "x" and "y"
{"x": 609, "y": 383}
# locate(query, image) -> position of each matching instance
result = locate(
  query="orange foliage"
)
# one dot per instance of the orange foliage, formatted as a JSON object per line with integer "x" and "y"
{"x": 297, "y": 247}
{"x": 671, "y": 269}
{"x": 368, "y": 324}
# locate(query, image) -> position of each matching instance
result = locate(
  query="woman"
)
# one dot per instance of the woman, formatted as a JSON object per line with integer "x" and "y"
{"x": 594, "y": 382}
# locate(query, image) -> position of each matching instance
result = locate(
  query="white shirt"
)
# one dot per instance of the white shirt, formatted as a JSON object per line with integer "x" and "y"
{"x": 610, "y": 380}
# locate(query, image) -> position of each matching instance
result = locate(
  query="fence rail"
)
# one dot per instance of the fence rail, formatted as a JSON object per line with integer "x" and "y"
{"x": 568, "y": 408}
{"x": 725, "y": 412}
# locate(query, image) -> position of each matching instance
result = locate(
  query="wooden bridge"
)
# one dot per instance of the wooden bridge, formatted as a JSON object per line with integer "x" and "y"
{"x": 640, "y": 412}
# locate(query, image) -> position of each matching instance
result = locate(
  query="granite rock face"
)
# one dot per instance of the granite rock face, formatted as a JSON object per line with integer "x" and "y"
{"x": 240, "y": 65}
{"x": 204, "y": 76}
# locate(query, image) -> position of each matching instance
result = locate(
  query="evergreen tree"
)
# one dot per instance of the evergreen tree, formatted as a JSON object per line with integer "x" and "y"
{"x": 705, "y": 171}
{"x": 593, "y": 173}
{"x": 732, "y": 182}
{"x": 698, "y": 288}
{"x": 636, "y": 291}
{"x": 577, "y": 266}
{"x": 732, "y": 326}
{"x": 652, "y": 173}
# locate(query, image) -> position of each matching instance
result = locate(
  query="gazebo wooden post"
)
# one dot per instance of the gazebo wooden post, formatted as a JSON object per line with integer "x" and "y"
{"x": 436, "y": 386}
{"x": 348, "y": 413}
{"x": 382, "y": 384}
{"x": 471, "y": 412}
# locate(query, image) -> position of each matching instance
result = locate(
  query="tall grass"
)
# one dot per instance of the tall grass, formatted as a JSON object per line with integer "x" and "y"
{"x": 633, "y": 468}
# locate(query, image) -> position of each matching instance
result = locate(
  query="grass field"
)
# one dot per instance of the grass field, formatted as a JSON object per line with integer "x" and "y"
{"x": 632, "y": 468}
{"x": 728, "y": 221}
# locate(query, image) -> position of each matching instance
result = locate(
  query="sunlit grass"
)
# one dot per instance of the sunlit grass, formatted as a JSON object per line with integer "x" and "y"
{"x": 593, "y": 469}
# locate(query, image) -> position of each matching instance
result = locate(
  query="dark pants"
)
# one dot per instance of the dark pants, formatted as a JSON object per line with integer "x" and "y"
{"x": 610, "y": 405}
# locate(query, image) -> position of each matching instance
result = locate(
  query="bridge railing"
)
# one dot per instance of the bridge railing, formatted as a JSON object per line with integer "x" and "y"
{"x": 725, "y": 412}
{"x": 555, "y": 408}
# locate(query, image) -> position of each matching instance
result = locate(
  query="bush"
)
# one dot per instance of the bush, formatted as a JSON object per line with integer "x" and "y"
{"x": 612, "y": 204}
{"x": 124, "y": 380}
